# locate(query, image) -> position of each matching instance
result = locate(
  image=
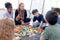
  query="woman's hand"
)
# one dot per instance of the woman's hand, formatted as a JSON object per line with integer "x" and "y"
{"x": 18, "y": 17}
{"x": 22, "y": 21}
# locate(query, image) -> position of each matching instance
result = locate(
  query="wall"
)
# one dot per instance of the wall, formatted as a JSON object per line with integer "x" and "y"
{"x": 30, "y": 5}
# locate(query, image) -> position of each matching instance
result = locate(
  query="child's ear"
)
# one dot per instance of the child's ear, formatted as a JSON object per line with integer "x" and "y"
{"x": 46, "y": 20}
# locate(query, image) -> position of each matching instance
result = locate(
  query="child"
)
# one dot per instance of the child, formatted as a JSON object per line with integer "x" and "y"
{"x": 9, "y": 13}
{"x": 38, "y": 17}
{"x": 52, "y": 32}
{"x": 6, "y": 29}
{"x": 58, "y": 12}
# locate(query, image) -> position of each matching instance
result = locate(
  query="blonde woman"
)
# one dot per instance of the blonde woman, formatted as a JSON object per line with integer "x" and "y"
{"x": 21, "y": 15}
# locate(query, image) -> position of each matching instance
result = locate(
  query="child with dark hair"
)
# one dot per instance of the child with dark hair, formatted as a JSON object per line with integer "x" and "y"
{"x": 58, "y": 12}
{"x": 52, "y": 32}
{"x": 9, "y": 13}
{"x": 38, "y": 17}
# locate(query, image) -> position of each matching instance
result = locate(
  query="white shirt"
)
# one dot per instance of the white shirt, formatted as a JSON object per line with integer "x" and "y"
{"x": 8, "y": 15}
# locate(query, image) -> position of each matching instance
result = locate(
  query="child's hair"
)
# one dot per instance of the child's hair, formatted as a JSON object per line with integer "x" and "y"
{"x": 8, "y": 5}
{"x": 52, "y": 17}
{"x": 34, "y": 11}
{"x": 6, "y": 29}
{"x": 56, "y": 10}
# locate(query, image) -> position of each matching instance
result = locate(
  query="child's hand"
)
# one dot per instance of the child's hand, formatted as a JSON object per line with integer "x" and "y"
{"x": 16, "y": 34}
{"x": 17, "y": 37}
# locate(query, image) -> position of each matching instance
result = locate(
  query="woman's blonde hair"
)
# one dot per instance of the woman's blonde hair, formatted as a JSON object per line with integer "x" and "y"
{"x": 20, "y": 5}
{"x": 6, "y": 29}
{"x": 21, "y": 13}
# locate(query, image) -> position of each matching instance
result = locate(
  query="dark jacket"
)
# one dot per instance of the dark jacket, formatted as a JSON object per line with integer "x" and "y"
{"x": 39, "y": 18}
{"x": 25, "y": 13}
{"x": 16, "y": 13}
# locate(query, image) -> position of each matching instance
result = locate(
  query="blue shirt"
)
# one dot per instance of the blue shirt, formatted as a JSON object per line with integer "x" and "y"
{"x": 58, "y": 20}
{"x": 39, "y": 18}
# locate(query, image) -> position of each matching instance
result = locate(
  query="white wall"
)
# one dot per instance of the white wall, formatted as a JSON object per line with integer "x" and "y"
{"x": 14, "y": 3}
{"x": 48, "y": 5}
{"x": 37, "y": 4}
{"x": 1, "y": 13}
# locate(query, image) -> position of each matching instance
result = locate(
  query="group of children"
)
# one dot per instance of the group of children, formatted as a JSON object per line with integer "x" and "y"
{"x": 52, "y": 18}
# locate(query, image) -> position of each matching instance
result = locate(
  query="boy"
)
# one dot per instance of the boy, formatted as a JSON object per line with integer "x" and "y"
{"x": 52, "y": 32}
{"x": 38, "y": 17}
{"x": 58, "y": 12}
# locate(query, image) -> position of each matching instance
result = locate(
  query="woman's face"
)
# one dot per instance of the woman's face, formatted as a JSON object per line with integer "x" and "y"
{"x": 22, "y": 7}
